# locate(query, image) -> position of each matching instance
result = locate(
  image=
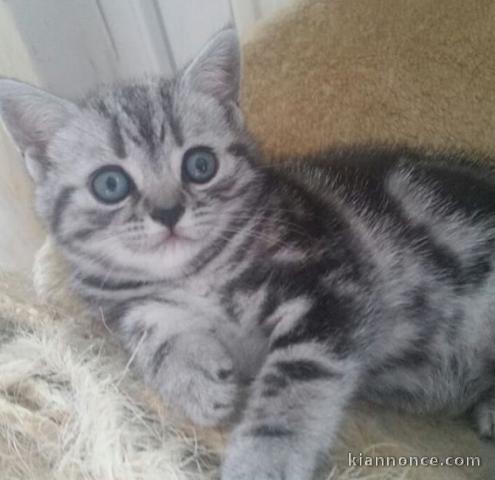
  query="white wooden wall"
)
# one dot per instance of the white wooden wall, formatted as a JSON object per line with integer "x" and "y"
{"x": 75, "y": 44}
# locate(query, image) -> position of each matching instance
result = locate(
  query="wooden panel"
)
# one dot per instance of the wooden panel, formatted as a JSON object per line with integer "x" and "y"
{"x": 269, "y": 7}
{"x": 21, "y": 232}
{"x": 249, "y": 12}
{"x": 189, "y": 24}
{"x": 246, "y": 14}
{"x": 67, "y": 41}
{"x": 75, "y": 44}
{"x": 136, "y": 32}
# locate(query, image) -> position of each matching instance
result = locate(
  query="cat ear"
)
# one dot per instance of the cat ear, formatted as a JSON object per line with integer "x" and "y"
{"x": 216, "y": 71}
{"x": 31, "y": 117}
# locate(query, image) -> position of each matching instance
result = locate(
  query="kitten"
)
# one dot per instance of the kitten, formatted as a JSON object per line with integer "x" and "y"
{"x": 273, "y": 295}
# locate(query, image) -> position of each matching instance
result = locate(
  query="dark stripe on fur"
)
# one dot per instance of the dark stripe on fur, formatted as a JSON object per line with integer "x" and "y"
{"x": 160, "y": 354}
{"x": 113, "y": 316}
{"x": 305, "y": 370}
{"x": 332, "y": 320}
{"x": 173, "y": 120}
{"x": 274, "y": 431}
{"x": 275, "y": 380}
{"x": 140, "y": 111}
{"x": 162, "y": 133}
{"x": 419, "y": 236}
{"x": 97, "y": 260}
{"x": 238, "y": 149}
{"x": 216, "y": 247}
{"x": 83, "y": 234}
{"x": 101, "y": 218}
{"x": 412, "y": 358}
{"x": 104, "y": 283}
{"x": 116, "y": 139}
{"x": 61, "y": 203}
{"x": 101, "y": 107}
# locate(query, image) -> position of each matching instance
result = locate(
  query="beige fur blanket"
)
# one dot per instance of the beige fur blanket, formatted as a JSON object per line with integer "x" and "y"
{"x": 401, "y": 71}
{"x": 328, "y": 72}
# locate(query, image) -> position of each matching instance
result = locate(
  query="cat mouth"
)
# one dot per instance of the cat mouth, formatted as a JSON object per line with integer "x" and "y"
{"x": 170, "y": 240}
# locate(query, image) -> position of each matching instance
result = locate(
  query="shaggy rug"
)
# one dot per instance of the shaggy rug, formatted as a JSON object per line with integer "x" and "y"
{"x": 330, "y": 72}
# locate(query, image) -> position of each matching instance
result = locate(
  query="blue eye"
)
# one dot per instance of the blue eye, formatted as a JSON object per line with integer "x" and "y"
{"x": 111, "y": 184}
{"x": 199, "y": 165}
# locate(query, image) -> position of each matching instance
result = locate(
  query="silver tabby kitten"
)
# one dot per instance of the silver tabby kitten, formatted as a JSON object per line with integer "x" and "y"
{"x": 272, "y": 298}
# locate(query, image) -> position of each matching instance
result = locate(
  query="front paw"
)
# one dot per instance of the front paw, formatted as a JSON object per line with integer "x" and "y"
{"x": 265, "y": 457}
{"x": 200, "y": 380}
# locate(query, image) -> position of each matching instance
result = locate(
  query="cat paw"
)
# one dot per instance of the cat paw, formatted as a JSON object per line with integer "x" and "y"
{"x": 253, "y": 458}
{"x": 202, "y": 383}
{"x": 484, "y": 417}
{"x": 246, "y": 464}
{"x": 213, "y": 394}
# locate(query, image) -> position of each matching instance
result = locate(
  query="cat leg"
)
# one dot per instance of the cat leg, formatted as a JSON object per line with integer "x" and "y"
{"x": 484, "y": 417}
{"x": 185, "y": 361}
{"x": 292, "y": 415}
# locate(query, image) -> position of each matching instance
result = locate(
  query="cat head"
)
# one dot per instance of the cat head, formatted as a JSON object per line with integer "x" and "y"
{"x": 145, "y": 177}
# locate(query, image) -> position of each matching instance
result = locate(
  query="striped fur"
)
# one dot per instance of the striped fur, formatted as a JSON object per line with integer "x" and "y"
{"x": 288, "y": 292}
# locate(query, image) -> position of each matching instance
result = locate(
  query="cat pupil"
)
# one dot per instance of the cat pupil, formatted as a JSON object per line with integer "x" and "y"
{"x": 111, "y": 184}
{"x": 202, "y": 165}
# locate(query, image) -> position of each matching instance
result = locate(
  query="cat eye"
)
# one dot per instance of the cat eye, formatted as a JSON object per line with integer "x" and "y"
{"x": 111, "y": 184}
{"x": 199, "y": 165}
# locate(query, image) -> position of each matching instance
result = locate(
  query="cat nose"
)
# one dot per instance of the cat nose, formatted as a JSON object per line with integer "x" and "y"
{"x": 168, "y": 216}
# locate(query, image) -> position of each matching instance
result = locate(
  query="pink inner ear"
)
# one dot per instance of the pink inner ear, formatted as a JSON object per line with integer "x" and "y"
{"x": 216, "y": 70}
{"x": 32, "y": 116}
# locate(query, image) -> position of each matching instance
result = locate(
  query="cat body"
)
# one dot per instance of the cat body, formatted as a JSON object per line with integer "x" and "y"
{"x": 268, "y": 297}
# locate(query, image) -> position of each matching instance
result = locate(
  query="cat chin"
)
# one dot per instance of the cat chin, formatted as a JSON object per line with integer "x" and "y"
{"x": 169, "y": 259}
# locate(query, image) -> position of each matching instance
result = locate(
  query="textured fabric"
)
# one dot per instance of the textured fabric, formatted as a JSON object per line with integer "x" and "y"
{"x": 335, "y": 72}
